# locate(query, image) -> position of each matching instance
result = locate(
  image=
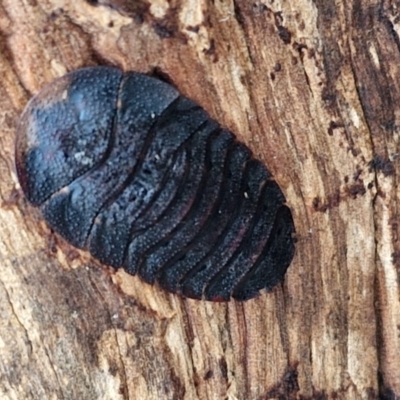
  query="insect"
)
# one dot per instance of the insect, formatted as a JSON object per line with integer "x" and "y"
{"x": 124, "y": 166}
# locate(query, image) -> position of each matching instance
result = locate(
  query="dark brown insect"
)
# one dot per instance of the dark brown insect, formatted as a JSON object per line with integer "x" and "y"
{"x": 122, "y": 165}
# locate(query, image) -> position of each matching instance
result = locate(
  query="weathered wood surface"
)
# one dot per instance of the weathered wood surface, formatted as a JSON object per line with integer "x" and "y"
{"x": 313, "y": 88}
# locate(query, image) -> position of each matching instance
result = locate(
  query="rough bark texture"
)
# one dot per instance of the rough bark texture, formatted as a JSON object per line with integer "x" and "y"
{"x": 313, "y": 88}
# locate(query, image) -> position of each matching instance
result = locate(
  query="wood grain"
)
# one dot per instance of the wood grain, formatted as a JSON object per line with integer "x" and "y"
{"x": 312, "y": 87}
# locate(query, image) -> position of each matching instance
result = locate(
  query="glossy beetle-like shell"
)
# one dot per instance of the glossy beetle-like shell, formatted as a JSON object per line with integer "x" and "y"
{"x": 122, "y": 165}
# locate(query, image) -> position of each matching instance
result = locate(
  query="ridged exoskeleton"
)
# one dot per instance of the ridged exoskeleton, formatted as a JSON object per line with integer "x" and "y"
{"x": 122, "y": 165}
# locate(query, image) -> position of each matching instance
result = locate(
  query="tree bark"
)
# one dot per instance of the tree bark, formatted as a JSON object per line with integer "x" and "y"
{"x": 312, "y": 87}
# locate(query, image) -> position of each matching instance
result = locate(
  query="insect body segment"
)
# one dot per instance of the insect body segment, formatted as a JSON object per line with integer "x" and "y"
{"x": 122, "y": 165}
